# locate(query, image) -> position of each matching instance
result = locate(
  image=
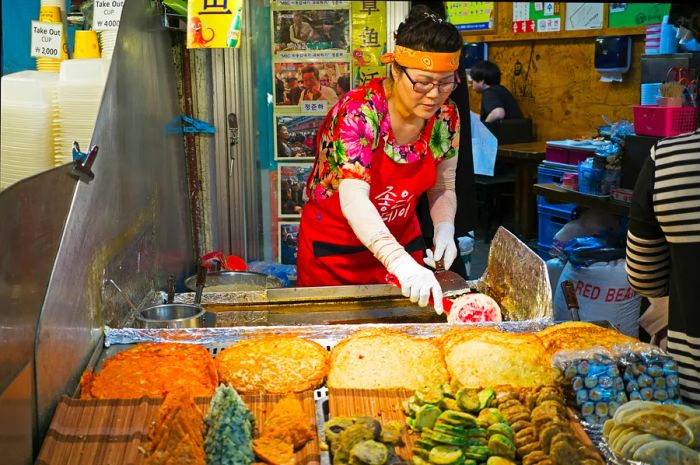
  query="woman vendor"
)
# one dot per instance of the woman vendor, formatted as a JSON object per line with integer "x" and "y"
{"x": 379, "y": 148}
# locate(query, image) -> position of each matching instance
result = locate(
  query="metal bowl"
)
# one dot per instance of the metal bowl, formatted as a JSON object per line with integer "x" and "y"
{"x": 232, "y": 281}
{"x": 171, "y": 316}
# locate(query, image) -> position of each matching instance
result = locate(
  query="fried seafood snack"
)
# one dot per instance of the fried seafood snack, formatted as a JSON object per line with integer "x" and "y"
{"x": 286, "y": 429}
{"x": 152, "y": 370}
{"x": 178, "y": 434}
{"x": 273, "y": 364}
{"x": 380, "y": 358}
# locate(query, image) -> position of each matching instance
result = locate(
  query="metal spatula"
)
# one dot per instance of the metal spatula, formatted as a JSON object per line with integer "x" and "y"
{"x": 451, "y": 283}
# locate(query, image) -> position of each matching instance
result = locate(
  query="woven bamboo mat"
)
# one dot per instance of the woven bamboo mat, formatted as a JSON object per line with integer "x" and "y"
{"x": 382, "y": 404}
{"x": 115, "y": 431}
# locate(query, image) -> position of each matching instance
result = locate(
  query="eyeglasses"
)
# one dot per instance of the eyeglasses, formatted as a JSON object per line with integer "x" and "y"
{"x": 423, "y": 87}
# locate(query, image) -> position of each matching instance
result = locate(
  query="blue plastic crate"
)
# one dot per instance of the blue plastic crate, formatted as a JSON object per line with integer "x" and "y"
{"x": 549, "y": 174}
{"x": 550, "y": 220}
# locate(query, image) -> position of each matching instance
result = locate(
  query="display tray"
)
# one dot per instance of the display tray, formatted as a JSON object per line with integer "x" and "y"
{"x": 386, "y": 405}
{"x": 116, "y": 430}
{"x": 382, "y": 404}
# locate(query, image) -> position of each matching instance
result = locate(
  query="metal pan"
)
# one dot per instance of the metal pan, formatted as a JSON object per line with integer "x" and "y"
{"x": 232, "y": 281}
{"x": 171, "y": 316}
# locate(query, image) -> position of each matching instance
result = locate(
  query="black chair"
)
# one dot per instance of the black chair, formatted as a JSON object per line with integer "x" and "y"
{"x": 495, "y": 195}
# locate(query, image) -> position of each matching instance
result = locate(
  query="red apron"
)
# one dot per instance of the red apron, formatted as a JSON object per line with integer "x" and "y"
{"x": 329, "y": 253}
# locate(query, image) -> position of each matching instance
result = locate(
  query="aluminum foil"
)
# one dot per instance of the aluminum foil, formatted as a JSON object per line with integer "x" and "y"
{"x": 331, "y": 333}
{"x": 229, "y": 297}
{"x": 517, "y": 279}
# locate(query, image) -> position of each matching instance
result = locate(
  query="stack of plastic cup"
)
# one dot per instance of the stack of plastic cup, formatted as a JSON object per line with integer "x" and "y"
{"x": 53, "y": 11}
{"x": 108, "y": 40}
{"x": 86, "y": 45}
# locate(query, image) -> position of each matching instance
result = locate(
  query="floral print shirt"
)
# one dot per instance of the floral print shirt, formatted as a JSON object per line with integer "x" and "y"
{"x": 354, "y": 129}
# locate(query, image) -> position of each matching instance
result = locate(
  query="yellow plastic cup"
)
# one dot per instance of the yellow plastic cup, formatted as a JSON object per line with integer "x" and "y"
{"x": 86, "y": 45}
{"x": 50, "y": 14}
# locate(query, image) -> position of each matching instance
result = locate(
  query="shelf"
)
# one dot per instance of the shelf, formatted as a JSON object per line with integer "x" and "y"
{"x": 553, "y": 192}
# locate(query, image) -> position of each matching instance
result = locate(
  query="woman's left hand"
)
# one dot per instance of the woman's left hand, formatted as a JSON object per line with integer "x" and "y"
{"x": 444, "y": 242}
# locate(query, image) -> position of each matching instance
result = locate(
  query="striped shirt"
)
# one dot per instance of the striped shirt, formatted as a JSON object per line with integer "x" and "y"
{"x": 663, "y": 247}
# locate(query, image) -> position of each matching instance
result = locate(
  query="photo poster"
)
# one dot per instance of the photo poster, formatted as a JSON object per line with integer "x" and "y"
{"x": 369, "y": 41}
{"x": 536, "y": 17}
{"x": 581, "y": 16}
{"x": 292, "y": 188}
{"x": 295, "y": 137}
{"x": 636, "y": 14}
{"x": 309, "y": 87}
{"x": 288, "y": 235}
{"x": 214, "y": 24}
{"x": 472, "y": 16}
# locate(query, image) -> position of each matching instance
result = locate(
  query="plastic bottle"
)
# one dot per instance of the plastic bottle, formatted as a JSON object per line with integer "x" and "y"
{"x": 234, "y": 32}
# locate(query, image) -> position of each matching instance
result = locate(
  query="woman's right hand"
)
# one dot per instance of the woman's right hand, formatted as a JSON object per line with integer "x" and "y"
{"x": 417, "y": 282}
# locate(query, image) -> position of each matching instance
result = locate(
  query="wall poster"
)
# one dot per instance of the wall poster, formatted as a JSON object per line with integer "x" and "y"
{"x": 636, "y": 14}
{"x": 214, "y": 23}
{"x": 472, "y": 17}
{"x": 368, "y": 41}
{"x": 536, "y": 17}
{"x": 320, "y": 50}
{"x": 584, "y": 16}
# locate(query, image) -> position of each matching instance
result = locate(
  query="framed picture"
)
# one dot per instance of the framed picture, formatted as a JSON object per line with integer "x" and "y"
{"x": 311, "y": 34}
{"x": 292, "y": 188}
{"x": 295, "y": 137}
{"x": 305, "y": 84}
{"x": 288, "y": 236}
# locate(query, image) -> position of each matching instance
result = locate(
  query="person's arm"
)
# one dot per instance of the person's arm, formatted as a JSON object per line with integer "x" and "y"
{"x": 442, "y": 199}
{"x": 648, "y": 255}
{"x": 495, "y": 114}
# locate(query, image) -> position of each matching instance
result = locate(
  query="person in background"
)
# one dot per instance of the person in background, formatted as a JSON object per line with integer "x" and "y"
{"x": 284, "y": 150}
{"x": 378, "y": 149}
{"x": 300, "y": 32}
{"x": 663, "y": 248}
{"x": 497, "y": 102}
{"x": 313, "y": 90}
{"x": 342, "y": 86}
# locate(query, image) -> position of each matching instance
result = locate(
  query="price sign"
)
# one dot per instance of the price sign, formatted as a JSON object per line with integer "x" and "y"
{"x": 107, "y": 14}
{"x": 46, "y": 40}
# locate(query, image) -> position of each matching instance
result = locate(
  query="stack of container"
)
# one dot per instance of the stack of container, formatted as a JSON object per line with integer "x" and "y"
{"x": 78, "y": 97}
{"x": 25, "y": 112}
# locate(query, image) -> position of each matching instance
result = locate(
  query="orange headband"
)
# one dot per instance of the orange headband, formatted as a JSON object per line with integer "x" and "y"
{"x": 438, "y": 62}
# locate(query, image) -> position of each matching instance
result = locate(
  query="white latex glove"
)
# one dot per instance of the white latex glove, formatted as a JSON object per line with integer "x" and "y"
{"x": 444, "y": 242}
{"x": 417, "y": 282}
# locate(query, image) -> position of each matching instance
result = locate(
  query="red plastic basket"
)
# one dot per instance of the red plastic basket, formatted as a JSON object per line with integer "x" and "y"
{"x": 653, "y": 120}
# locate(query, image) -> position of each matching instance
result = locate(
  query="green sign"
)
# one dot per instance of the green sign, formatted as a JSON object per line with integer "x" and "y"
{"x": 636, "y": 14}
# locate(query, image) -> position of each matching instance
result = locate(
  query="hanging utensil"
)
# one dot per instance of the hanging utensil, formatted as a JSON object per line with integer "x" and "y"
{"x": 570, "y": 298}
{"x": 171, "y": 289}
{"x": 201, "y": 282}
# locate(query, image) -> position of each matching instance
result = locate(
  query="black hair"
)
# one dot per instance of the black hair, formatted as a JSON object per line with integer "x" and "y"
{"x": 344, "y": 83}
{"x": 425, "y": 31}
{"x": 486, "y": 71}
{"x": 310, "y": 69}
